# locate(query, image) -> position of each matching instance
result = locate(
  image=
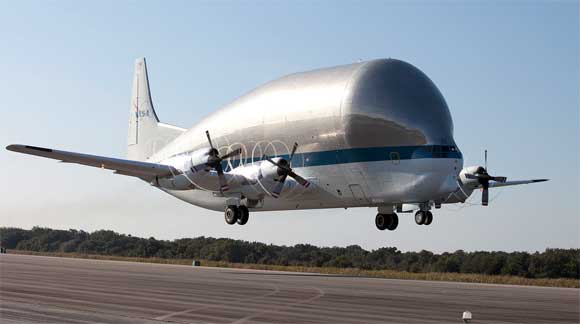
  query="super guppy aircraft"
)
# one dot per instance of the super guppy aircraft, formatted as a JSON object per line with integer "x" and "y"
{"x": 371, "y": 134}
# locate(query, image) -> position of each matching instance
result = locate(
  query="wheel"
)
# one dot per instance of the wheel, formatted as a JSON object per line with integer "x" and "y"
{"x": 420, "y": 217}
{"x": 381, "y": 221}
{"x": 244, "y": 215}
{"x": 429, "y": 218}
{"x": 231, "y": 214}
{"x": 387, "y": 221}
{"x": 394, "y": 222}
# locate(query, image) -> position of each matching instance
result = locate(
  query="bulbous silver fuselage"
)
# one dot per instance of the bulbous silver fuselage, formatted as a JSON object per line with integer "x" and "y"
{"x": 370, "y": 133}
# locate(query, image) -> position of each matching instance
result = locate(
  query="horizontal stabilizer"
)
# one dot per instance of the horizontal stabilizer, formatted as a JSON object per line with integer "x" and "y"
{"x": 143, "y": 170}
{"x": 515, "y": 183}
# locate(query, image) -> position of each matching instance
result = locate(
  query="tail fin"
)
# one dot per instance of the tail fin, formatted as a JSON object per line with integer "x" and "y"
{"x": 146, "y": 134}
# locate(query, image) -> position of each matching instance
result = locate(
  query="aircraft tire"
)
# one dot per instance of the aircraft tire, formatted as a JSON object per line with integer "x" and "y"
{"x": 381, "y": 221}
{"x": 420, "y": 217}
{"x": 429, "y": 218}
{"x": 394, "y": 222}
{"x": 244, "y": 215}
{"x": 231, "y": 214}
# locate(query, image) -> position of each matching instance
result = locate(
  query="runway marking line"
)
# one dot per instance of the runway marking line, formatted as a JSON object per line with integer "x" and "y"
{"x": 279, "y": 308}
{"x": 238, "y": 300}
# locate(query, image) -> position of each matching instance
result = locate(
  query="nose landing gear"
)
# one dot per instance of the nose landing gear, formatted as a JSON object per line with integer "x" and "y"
{"x": 387, "y": 221}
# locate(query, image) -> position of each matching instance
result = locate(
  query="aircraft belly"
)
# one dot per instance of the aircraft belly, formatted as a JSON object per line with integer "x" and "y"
{"x": 407, "y": 181}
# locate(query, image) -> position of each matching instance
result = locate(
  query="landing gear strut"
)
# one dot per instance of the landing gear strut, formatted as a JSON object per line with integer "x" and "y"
{"x": 234, "y": 214}
{"x": 387, "y": 221}
{"x": 423, "y": 217}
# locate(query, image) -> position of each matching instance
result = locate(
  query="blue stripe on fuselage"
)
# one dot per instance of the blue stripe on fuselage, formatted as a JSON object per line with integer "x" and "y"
{"x": 370, "y": 154}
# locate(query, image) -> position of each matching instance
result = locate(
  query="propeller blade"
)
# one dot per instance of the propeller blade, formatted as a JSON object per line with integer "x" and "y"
{"x": 232, "y": 153}
{"x": 485, "y": 196}
{"x": 223, "y": 182}
{"x": 222, "y": 178}
{"x": 499, "y": 179}
{"x": 209, "y": 139}
{"x": 282, "y": 178}
{"x": 278, "y": 188}
{"x": 299, "y": 179}
{"x": 485, "y": 159}
{"x": 283, "y": 167}
{"x": 219, "y": 169}
{"x": 293, "y": 151}
{"x": 265, "y": 157}
{"x": 471, "y": 176}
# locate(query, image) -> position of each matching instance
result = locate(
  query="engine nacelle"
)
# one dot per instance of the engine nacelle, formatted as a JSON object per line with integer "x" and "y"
{"x": 268, "y": 172}
{"x": 190, "y": 165}
{"x": 467, "y": 183}
{"x": 196, "y": 161}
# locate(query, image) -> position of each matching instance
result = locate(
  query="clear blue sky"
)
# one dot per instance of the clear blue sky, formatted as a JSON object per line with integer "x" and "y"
{"x": 508, "y": 70}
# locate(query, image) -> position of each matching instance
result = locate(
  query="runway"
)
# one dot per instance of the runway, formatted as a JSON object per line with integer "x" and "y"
{"x": 58, "y": 290}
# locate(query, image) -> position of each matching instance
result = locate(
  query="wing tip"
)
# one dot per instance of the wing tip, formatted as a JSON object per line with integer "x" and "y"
{"x": 13, "y": 147}
{"x": 24, "y": 148}
{"x": 540, "y": 180}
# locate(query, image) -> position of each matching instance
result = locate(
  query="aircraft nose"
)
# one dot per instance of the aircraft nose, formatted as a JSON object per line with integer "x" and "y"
{"x": 399, "y": 105}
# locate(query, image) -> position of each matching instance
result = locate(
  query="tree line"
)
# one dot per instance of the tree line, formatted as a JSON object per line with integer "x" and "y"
{"x": 552, "y": 263}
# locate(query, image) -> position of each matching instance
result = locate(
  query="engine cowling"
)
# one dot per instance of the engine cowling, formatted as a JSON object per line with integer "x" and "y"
{"x": 466, "y": 177}
{"x": 269, "y": 173}
{"x": 190, "y": 165}
{"x": 466, "y": 185}
{"x": 198, "y": 161}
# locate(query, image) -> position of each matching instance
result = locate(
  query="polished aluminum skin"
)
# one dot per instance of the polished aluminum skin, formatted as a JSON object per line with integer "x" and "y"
{"x": 380, "y": 103}
{"x": 384, "y": 102}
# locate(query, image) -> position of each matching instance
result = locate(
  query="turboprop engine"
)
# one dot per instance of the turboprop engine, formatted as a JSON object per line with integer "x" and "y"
{"x": 190, "y": 165}
{"x": 279, "y": 170}
{"x": 468, "y": 183}
{"x": 473, "y": 177}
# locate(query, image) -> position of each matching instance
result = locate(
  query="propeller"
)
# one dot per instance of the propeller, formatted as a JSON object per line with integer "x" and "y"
{"x": 284, "y": 170}
{"x": 214, "y": 161}
{"x": 484, "y": 178}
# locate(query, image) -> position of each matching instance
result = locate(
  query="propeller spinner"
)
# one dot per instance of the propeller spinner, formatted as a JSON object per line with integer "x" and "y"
{"x": 215, "y": 162}
{"x": 483, "y": 177}
{"x": 284, "y": 170}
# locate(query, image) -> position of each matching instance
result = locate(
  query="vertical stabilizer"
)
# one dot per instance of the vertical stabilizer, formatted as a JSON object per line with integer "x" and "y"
{"x": 146, "y": 134}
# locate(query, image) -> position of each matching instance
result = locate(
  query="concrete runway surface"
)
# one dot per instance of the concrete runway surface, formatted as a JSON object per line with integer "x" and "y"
{"x": 37, "y": 289}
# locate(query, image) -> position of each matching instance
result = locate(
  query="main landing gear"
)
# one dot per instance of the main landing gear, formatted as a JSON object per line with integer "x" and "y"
{"x": 387, "y": 221}
{"x": 234, "y": 214}
{"x": 423, "y": 217}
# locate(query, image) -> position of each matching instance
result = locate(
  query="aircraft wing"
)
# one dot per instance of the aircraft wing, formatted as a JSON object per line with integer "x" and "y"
{"x": 143, "y": 170}
{"x": 514, "y": 183}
